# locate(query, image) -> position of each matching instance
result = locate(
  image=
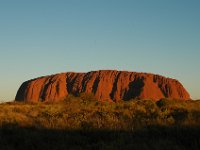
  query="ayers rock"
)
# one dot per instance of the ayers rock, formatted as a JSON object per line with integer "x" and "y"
{"x": 104, "y": 84}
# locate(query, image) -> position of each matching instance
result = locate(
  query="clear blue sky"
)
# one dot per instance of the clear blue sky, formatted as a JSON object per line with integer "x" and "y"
{"x": 42, "y": 37}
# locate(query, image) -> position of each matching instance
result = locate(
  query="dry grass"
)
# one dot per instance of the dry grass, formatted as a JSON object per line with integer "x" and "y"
{"x": 80, "y": 117}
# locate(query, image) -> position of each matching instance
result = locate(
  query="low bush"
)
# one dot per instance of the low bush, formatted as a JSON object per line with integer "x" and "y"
{"x": 93, "y": 124}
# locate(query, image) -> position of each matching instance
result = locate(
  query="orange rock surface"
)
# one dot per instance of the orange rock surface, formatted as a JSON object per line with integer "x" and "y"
{"x": 104, "y": 84}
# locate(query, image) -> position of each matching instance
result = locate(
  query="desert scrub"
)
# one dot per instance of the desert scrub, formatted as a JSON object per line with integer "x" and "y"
{"x": 80, "y": 113}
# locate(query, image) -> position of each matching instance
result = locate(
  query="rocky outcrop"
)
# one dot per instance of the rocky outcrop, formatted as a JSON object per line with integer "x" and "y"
{"x": 104, "y": 84}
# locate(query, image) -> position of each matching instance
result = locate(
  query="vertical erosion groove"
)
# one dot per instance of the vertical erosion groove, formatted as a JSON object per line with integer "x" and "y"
{"x": 70, "y": 83}
{"x": 45, "y": 88}
{"x": 114, "y": 88}
{"x": 84, "y": 82}
{"x": 95, "y": 85}
{"x": 135, "y": 88}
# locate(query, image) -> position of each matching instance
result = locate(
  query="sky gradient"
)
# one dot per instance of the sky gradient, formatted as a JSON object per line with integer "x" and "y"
{"x": 39, "y": 38}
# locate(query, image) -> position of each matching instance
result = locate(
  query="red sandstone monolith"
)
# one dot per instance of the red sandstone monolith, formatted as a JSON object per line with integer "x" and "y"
{"x": 104, "y": 84}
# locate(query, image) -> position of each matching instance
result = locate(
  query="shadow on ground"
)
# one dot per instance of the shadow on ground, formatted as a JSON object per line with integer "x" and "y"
{"x": 154, "y": 137}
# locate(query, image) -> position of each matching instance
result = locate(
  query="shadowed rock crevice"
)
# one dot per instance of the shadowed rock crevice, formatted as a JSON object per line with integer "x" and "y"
{"x": 95, "y": 85}
{"x": 44, "y": 91}
{"x": 105, "y": 85}
{"x": 114, "y": 89}
{"x": 84, "y": 82}
{"x": 135, "y": 89}
{"x": 70, "y": 84}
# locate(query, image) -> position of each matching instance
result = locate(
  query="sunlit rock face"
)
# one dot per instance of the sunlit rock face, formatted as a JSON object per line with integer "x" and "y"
{"x": 106, "y": 85}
